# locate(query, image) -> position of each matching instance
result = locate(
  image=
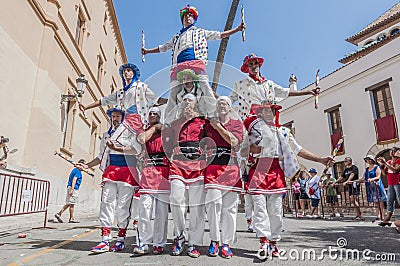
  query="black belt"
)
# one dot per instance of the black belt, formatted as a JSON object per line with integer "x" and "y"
{"x": 156, "y": 159}
{"x": 223, "y": 156}
{"x": 189, "y": 150}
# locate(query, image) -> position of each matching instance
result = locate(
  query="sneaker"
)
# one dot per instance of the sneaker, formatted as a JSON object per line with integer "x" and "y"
{"x": 177, "y": 250}
{"x": 135, "y": 224}
{"x": 193, "y": 252}
{"x": 299, "y": 215}
{"x": 273, "y": 249}
{"x": 226, "y": 252}
{"x": 308, "y": 216}
{"x": 118, "y": 246}
{"x": 316, "y": 216}
{"x": 103, "y": 246}
{"x": 58, "y": 217}
{"x": 158, "y": 250}
{"x": 294, "y": 214}
{"x": 141, "y": 250}
{"x": 213, "y": 249}
{"x": 249, "y": 226}
{"x": 337, "y": 214}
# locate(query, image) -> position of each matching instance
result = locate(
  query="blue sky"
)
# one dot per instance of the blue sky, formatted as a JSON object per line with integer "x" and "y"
{"x": 293, "y": 36}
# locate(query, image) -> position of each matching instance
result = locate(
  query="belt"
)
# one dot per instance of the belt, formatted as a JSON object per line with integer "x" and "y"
{"x": 223, "y": 156}
{"x": 189, "y": 149}
{"x": 122, "y": 160}
{"x": 156, "y": 159}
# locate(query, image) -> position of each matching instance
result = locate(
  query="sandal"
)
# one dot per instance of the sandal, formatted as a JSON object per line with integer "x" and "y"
{"x": 385, "y": 223}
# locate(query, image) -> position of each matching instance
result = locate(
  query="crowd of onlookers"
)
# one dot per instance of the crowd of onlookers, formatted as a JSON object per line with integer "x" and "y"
{"x": 312, "y": 194}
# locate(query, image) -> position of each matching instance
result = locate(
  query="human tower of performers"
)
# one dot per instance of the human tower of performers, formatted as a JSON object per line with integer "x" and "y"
{"x": 193, "y": 158}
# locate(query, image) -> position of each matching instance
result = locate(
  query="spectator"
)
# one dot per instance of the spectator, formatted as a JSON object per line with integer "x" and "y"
{"x": 331, "y": 194}
{"x": 352, "y": 189}
{"x": 74, "y": 182}
{"x": 304, "y": 198}
{"x": 374, "y": 186}
{"x": 391, "y": 168}
{"x": 296, "y": 195}
{"x": 314, "y": 191}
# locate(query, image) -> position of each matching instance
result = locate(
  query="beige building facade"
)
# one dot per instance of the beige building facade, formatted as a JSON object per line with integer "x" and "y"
{"x": 360, "y": 100}
{"x": 45, "y": 46}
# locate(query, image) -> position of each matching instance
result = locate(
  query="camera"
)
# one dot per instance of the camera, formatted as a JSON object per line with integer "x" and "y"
{"x": 4, "y": 140}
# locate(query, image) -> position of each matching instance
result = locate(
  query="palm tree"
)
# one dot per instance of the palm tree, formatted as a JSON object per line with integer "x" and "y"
{"x": 223, "y": 45}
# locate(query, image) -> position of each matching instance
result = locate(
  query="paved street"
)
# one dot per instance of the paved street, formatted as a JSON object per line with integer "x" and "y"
{"x": 68, "y": 244}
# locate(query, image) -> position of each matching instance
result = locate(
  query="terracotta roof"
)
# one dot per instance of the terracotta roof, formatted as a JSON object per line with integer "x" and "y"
{"x": 390, "y": 16}
{"x": 363, "y": 51}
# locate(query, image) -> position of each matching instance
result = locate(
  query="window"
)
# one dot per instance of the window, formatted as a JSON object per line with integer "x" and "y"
{"x": 100, "y": 68}
{"x": 383, "y": 101}
{"x": 80, "y": 29}
{"x": 381, "y": 37}
{"x": 394, "y": 32}
{"x": 68, "y": 117}
{"x": 93, "y": 140}
{"x": 335, "y": 127}
{"x": 383, "y": 111}
{"x": 105, "y": 22}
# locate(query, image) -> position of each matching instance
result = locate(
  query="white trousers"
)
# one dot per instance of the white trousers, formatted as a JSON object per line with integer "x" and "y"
{"x": 146, "y": 234}
{"x": 135, "y": 209}
{"x": 180, "y": 192}
{"x": 267, "y": 218}
{"x": 222, "y": 208}
{"x": 248, "y": 206}
{"x": 115, "y": 196}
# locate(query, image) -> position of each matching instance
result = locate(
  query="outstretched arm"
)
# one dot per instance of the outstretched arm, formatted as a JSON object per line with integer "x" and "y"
{"x": 305, "y": 154}
{"x": 304, "y": 92}
{"x": 89, "y": 106}
{"x": 226, "y": 34}
{"x": 150, "y": 51}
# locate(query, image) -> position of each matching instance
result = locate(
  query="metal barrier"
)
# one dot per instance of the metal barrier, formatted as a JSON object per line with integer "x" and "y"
{"x": 344, "y": 201}
{"x": 23, "y": 195}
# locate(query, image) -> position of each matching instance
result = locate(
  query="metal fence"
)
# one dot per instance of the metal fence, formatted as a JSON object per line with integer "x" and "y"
{"x": 344, "y": 195}
{"x": 23, "y": 195}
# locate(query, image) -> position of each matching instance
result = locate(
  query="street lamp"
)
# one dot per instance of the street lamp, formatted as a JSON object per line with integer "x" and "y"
{"x": 81, "y": 84}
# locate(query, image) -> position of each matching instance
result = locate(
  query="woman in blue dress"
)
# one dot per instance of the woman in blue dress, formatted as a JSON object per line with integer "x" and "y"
{"x": 375, "y": 190}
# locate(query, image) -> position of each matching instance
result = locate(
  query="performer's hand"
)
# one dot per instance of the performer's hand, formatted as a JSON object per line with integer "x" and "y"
{"x": 3, "y": 164}
{"x": 241, "y": 27}
{"x": 315, "y": 91}
{"x": 255, "y": 149}
{"x": 159, "y": 127}
{"x": 112, "y": 145}
{"x": 214, "y": 123}
{"x": 328, "y": 161}
{"x": 144, "y": 51}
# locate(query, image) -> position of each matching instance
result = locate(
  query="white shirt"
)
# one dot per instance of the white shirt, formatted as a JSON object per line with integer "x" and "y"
{"x": 248, "y": 92}
{"x": 185, "y": 40}
{"x": 126, "y": 99}
{"x": 314, "y": 184}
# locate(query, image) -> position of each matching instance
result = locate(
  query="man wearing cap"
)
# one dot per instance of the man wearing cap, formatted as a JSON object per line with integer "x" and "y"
{"x": 154, "y": 188}
{"x": 222, "y": 179}
{"x": 255, "y": 88}
{"x": 189, "y": 83}
{"x": 275, "y": 150}
{"x": 186, "y": 175}
{"x": 120, "y": 178}
{"x": 313, "y": 189}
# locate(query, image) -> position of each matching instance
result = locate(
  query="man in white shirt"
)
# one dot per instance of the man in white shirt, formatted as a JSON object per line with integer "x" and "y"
{"x": 255, "y": 88}
{"x": 313, "y": 189}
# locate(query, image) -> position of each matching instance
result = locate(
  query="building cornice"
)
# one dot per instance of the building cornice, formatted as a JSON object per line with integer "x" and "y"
{"x": 373, "y": 29}
{"x": 116, "y": 30}
{"x": 364, "y": 51}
